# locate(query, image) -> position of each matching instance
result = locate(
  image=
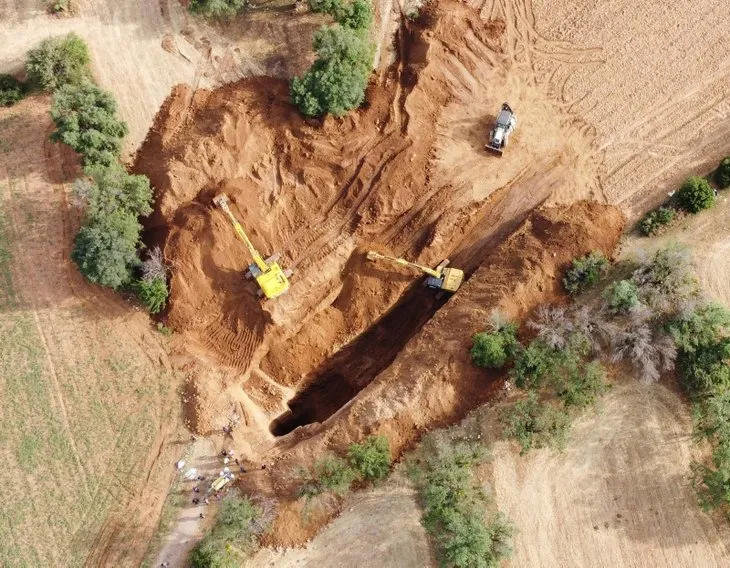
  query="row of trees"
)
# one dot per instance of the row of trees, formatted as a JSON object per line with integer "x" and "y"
{"x": 336, "y": 81}
{"x": 456, "y": 509}
{"x": 695, "y": 195}
{"x": 107, "y": 246}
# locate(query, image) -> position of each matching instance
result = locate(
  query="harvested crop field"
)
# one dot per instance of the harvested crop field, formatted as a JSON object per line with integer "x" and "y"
{"x": 89, "y": 403}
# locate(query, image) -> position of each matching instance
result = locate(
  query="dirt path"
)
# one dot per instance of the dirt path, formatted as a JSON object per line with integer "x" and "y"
{"x": 618, "y": 496}
{"x": 188, "y": 527}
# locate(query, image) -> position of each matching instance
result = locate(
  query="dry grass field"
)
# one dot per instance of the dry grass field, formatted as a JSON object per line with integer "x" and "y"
{"x": 89, "y": 409}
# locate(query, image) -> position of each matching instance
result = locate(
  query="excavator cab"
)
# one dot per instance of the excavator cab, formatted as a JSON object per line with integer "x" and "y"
{"x": 271, "y": 279}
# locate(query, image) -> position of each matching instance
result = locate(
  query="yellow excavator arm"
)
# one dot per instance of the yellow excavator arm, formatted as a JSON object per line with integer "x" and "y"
{"x": 222, "y": 202}
{"x": 372, "y": 255}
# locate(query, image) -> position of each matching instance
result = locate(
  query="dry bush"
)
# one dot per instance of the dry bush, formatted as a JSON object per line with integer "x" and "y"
{"x": 649, "y": 352}
{"x": 154, "y": 265}
{"x": 553, "y": 325}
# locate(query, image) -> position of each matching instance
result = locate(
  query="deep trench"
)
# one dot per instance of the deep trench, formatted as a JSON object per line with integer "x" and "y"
{"x": 353, "y": 367}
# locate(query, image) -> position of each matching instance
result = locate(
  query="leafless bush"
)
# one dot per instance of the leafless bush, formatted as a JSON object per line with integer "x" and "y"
{"x": 154, "y": 266}
{"x": 81, "y": 192}
{"x": 667, "y": 282}
{"x": 261, "y": 524}
{"x": 553, "y": 326}
{"x": 648, "y": 352}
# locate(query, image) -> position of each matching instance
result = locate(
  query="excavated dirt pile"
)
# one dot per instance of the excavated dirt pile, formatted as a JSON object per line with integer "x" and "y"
{"x": 406, "y": 175}
{"x": 432, "y": 380}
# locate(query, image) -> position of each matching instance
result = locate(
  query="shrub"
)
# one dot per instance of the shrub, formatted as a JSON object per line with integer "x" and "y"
{"x": 154, "y": 265}
{"x": 11, "y": 90}
{"x": 582, "y": 385}
{"x": 105, "y": 249}
{"x": 371, "y": 459}
{"x": 113, "y": 189}
{"x": 533, "y": 364}
{"x": 217, "y": 8}
{"x": 536, "y": 425}
{"x": 621, "y": 296}
{"x": 584, "y": 272}
{"x": 553, "y": 326}
{"x": 356, "y": 15}
{"x": 696, "y": 194}
{"x": 648, "y": 351}
{"x": 722, "y": 173}
{"x": 337, "y": 80}
{"x": 58, "y": 61}
{"x": 655, "y": 220}
{"x": 152, "y": 293}
{"x": 58, "y": 6}
{"x": 85, "y": 118}
{"x": 492, "y": 349}
{"x": 667, "y": 282}
{"x": 328, "y": 474}
{"x": 240, "y": 521}
{"x": 454, "y": 507}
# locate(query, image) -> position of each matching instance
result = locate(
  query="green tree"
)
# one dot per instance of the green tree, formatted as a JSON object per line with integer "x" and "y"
{"x": 585, "y": 271}
{"x": 653, "y": 222}
{"x": 696, "y": 194}
{"x": 371, "y": 459}
{"x": 536, "y": 425}
{"x": 329, "y": 473}
{"x": 534, "y": 364}
{"x": 58, "y": 61}
{"x": 337, "y": 80}
{"x": 152, "y": 293}
{"x": 105, "y": 249}
{"x": 492, "y": 349}
{"x": 213, "y": 552}
{"x": 582, "y": 385}
{"x": 722, "y": 173}
{"x": 356, "y": 15}
{"x": 621, "y": 296}
{"x": 85, "y": 118}
{"x": 113, "y": 189}
{"x": 11, "y": 90}
{"x": 221, "y": 9}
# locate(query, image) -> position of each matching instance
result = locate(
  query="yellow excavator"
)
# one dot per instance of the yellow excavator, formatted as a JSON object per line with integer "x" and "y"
{"x": 271, "y": 279}
{"x": 440, "y": 278}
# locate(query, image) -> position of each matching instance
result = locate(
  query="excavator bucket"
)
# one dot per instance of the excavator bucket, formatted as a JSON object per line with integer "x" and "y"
{"x": 372, "y": 255}
{"x": 221, "y": 200}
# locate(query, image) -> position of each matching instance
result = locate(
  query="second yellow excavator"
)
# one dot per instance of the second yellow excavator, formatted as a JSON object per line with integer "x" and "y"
{"x": 272, "y": 280}
{"x": 440, "y": 278}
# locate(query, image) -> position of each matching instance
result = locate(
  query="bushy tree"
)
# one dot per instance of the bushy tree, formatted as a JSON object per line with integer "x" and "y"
{"x": 85, "y": 118}
{"x": 217, "y": 8}
{"x": 696, "y": 194}
{"x": 213, "y": 552}
{"x": 454, "y": 507}
{"x": 337, "y": 80}
{"x": 722, "y": 173}
{"x": 105, "y": 249}
{"x": 114, "y": 189}
{"x": 667, "y": 282}
{"x": 621, "y": 296}
{"x": 58, "y": 61}
{"x": 536, "y": 425}
{"x": 492, "y": 349}
{"x": 11, "y": 90}
{"x": 655, "y": 220}
{"x": 553, "y": 325}
{"x": 356, "y": 15}
{"x": 371, "y": 459}
{"x": 584, "y": 272}
{"x": 582, "y": 385}
{"x": 329, "y": 473}
{"x": 533, "y": 364}
{"x": 152, "y": 293}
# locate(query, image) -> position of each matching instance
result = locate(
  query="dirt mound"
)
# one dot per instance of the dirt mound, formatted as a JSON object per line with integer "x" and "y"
{"x": 406, "y": 175}
{"x": 432, "y": 380}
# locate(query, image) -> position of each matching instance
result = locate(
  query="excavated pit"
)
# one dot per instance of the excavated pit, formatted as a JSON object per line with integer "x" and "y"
{"x": 354, "y": 366}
